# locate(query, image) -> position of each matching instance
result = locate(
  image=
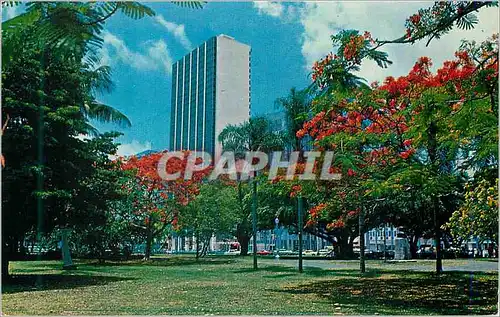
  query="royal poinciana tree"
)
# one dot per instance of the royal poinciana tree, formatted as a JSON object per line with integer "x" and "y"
{"x": 154, "y": 201}
{"x": 414, "y": 135}
{"x": 410, "y": 139}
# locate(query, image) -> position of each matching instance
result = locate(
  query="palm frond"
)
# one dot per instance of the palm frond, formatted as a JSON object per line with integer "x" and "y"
{"x": 11, "y": 3}
{"x": 99, "y": 79}
{"x": 91, "y": 130}
{"x": 104, "y": 113}
{"x": 12, "y": 34}
{"x": 71, "y": 28}
{"x": 193, "y": 4}
{"x": 467, "y": 22}
{"x": 135, "y": 10}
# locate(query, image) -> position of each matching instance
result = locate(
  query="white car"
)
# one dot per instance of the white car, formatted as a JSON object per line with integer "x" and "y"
{"x": 309, "y": 253}
{"x": 232, "y": 252}
{"x": 326, "y": 253}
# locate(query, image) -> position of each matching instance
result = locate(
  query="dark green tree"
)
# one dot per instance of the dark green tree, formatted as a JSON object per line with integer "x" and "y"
{"x": 252, "y": 135}
{"x": 211, "y": 213}
{"x": 47, "y": 162}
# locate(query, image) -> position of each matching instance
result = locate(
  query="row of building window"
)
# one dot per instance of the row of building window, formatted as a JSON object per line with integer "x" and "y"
{"x": 190, "y": 71}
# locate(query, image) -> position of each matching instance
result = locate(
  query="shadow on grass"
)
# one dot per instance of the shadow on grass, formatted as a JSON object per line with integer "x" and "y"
{"x": 41, "y": 282}
{"x": 311, "y": 271}
{"x": 409, "y": 292}
{"x": 173, "y": 261}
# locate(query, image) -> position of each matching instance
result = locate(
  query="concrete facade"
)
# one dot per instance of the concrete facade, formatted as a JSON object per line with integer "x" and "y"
{"x": 210, "y": 89}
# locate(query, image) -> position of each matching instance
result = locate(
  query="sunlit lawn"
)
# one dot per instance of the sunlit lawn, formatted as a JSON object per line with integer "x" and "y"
{"x": 228, "y": 285}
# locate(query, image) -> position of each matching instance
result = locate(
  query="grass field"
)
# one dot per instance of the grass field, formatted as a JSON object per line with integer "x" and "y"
{"x": 228, "y": 285}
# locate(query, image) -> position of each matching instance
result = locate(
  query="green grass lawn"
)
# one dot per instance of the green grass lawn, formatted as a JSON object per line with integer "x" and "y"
{"x": 228, "y": 285}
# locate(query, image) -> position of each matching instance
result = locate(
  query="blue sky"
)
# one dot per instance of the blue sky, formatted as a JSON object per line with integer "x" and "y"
{"x": 286, "y": 38}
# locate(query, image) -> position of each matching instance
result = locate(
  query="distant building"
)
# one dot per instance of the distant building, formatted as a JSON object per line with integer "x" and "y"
{"x": 374, "y": 239}
{"x": 210, "y": 90}
{"x": 277, "y": 121}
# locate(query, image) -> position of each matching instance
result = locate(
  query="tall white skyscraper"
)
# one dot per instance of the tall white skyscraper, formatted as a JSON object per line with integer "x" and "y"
{"x": 210, "y": 89}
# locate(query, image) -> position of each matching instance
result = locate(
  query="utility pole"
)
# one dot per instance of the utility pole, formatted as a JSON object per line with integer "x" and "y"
{"x": 300, "y": 225}
{"x": 385, "y": 242}
{"x": 276, "y": 223}
{"x": 254, "y": 222}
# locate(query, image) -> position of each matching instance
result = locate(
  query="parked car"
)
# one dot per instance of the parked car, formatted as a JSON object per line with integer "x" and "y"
{"x": 232, "y": 252}
{"x": 309, "y": 253}
{"x": 426, "y": 253}
{"x": 285, "y": 252}
{"x": 326, "y": 253}
{"x": 368, "y": 254}
{"x": 264, "y": 252}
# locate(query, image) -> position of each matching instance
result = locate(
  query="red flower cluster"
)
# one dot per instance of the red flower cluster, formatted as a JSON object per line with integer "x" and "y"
{"x": 415, "y": 19}
{"x": 351, "y": 172}
{"x": 353, "y": 213}
{"x": 339, "y": 223}
{"x": 353, "y": 48}
{"x": 296, "y": 189}
{"x": 315, "y": 213}
{"x": 319, "y": 66}
{"x": 154, "y": 191}
{"x": 406, "y": 154}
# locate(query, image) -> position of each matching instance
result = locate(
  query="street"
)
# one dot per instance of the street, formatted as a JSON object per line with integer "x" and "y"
{"x": 420, "y": 265}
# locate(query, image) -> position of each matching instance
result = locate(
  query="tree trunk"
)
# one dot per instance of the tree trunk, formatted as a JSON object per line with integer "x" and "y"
{"x": 244, "y": 240}
{"x": 197, "y": 246}
{"x": 437, "y": 234}
{"x": 362, "y": 266}
{"x": 432, "y": 150}
{"x": 439, "y": 261}
{"x": 22, "y": 248}
{"x": 6, "y": 254}
{"x": 343, "y": 246}
{"x": 149, "y": 241}
{"x": 101, "y": 255}
{"x": 350, "y": 247}
{"x": 413, "y": 246}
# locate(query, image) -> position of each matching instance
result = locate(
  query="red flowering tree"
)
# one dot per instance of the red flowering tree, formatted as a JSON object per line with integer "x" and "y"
{"x": 395, "y": 139}
{"x": 410, "y": 138}
{"x": 154, "y": 201}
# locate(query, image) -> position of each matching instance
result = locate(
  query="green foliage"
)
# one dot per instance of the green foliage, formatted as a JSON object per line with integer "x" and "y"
{"x": 194, "y": 4}
{"x": 478, "y": 215}
{"x": 297, "y": 106}
{"x": 252, "y": 135}
{"x": 72, "y": 29}
{"x": 213, "y": 212}
{"x": 53, "y": 177}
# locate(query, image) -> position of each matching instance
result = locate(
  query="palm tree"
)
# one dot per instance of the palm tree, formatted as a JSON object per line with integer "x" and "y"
{"x": 297, "y": 106}
{"x": 97, "y": 81}
{"x": 72, "y": 30}
{"x": 252, "y": 135}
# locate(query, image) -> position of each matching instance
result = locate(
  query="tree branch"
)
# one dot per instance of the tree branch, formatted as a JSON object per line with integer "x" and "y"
{"x": 102, "y": 19}
{"x": 441, "y": 25}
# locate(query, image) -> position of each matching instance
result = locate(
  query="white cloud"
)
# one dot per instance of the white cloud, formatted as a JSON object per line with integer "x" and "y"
{"x": 83, "y": 137}
{"x": 157, "y": 55}
{"x": 177, "y": 30}
{"x": 158, "y": 51}
{"x": 132, "y": 148}
{"x": 8, "y": 12}
{"x": 385, "y": 20}
{"x": 279, "y": 10}
{"x": 274, "y": 9}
